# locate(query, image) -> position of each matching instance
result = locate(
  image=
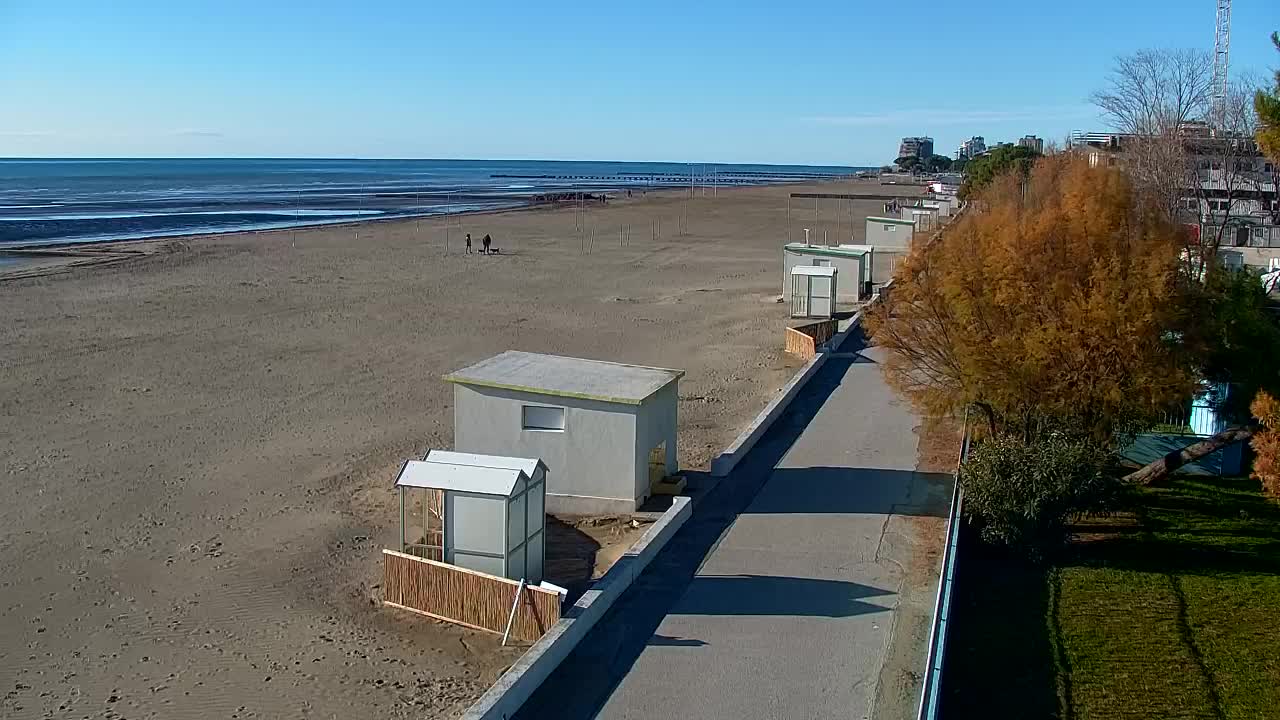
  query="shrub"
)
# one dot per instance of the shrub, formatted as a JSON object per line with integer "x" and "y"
{"x": 1022, "y": 493}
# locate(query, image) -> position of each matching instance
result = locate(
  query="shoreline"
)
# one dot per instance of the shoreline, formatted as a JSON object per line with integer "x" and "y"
{"x": 61, "y": 257}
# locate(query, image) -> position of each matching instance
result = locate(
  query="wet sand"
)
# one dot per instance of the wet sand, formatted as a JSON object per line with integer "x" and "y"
{"x": 198, "y": 443}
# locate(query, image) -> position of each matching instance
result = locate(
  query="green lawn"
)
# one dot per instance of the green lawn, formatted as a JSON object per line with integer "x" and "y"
{"x": 1176, "y": 615}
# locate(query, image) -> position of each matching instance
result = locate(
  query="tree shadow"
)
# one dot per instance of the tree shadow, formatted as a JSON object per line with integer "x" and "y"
{"x": 1001, "y": 660}
{"x": 1171, "y": 555}
{"x": 665, "y": 641}
{"x": 842, "y": 490}
{"x": 772, "y": 595}
{"x": 1194, "y": 527}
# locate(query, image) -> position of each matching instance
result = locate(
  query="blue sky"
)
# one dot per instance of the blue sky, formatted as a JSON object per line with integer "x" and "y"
{"x": 704, "y": 81}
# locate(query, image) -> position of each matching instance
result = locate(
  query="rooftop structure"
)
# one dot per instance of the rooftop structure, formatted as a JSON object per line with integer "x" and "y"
{"x": 566, "y": 377}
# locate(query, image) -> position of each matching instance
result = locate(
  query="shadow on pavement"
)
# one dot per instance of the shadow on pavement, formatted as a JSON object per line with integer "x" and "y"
{"x": 587, "y": 678}
{"x": 768, "y": 595}
{"x": 839, "y": 490}
{"x": 665, "y": 641}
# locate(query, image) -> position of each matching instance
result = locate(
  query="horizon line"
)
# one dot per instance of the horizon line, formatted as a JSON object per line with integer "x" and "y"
{"x": 10, "y": 158}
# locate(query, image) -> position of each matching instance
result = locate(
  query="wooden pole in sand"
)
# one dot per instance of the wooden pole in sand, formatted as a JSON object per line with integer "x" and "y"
{"x": 355, "y": 227}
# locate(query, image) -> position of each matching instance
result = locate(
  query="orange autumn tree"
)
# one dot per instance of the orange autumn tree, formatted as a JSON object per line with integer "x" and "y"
{"x": 1266, "y": 443}
{"x": 1051, "y": 306}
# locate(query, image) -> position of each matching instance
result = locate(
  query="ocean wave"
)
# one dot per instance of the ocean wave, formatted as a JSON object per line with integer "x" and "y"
{"x": 185, "y": 213}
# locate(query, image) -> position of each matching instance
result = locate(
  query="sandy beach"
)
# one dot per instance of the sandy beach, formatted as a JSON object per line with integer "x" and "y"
{"x": 198, "y": 443}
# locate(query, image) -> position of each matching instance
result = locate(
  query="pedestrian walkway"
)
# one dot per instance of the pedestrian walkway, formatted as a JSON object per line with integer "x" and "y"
{"x": 801, "y": 588}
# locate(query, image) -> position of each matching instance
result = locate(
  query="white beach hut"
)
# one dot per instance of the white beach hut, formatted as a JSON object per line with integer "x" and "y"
{"x": 607, "y": 431}
{"x": 486, "y": 511}
{"x": 887, "y": 232}
{"x": 852, "y": 263}
{"x": 813, "y": 291}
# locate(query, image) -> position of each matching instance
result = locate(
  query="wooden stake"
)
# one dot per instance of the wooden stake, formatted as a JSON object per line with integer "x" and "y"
{"x": 515, "y": 605}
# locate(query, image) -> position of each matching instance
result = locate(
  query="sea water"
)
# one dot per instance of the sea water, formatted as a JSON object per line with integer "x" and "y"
{"x": 57, "y": 201}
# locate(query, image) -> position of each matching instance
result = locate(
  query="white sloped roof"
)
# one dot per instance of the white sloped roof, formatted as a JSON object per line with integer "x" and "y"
{"x": 467, "y": 472}
{"x": 566, "y": 377}
{"x": 821, "y": 270}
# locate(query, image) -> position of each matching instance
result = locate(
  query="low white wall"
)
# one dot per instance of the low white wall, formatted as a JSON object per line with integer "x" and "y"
{"x": 519, "y": 682}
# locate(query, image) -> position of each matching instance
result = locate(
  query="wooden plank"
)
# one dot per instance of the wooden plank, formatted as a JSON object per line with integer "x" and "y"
{"x": 442, "y": 618}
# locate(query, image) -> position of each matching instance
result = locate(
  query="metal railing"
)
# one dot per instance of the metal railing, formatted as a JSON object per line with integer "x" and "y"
{"x": 931, "y": 692}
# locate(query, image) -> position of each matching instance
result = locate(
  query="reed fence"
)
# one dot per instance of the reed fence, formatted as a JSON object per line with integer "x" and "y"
{"x": 466, "y": 597}
{"x": 804, "y": 340}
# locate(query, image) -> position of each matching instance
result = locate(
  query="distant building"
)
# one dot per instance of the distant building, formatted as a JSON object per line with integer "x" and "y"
{"x": 1033, "y": 142}
{"x": 972, "y": 147}
{"x": 1079, "y": 138}
{"x": 920, "y": 147}
{"x": 1230, "y": 191}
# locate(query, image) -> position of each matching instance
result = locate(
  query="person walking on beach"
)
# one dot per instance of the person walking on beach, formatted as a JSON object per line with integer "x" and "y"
{"x": 486, "y": 242}
{"x": 468, "y": 243}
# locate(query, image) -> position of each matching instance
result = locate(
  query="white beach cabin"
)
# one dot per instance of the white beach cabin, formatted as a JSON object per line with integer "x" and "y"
{"x": 852, "y": 263}
{"x": 924, "y": 217}
{"x": 486, "y": 511}
{"x": 813, "y": 291}
{"x": 886, "y": 232}
{"x": 606, "y": 431}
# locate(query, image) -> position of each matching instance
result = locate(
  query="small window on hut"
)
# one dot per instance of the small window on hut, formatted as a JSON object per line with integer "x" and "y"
{"x": 541, "y": 417}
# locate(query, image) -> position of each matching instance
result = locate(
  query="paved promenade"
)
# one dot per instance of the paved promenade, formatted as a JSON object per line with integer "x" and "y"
{"x": 801, "y": 588}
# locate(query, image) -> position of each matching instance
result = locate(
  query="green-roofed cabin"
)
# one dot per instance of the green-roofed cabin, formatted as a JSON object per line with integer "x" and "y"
{"x": 886, "y": 232}
{"x": 853, "y": 265}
